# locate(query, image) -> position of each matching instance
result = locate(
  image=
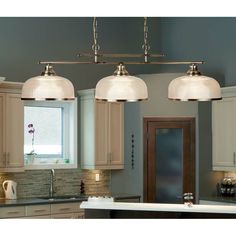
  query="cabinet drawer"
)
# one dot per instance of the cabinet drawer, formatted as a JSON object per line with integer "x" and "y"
{"x": 12, "y": 212}
{"x": 72, "y": 215}
{"x": 64, "y": 208}
{"x": 38, "y": 217}
{"x": 37, "y": 210}
{"x": 64, "y": 216}
{"x": 80, "y": 215}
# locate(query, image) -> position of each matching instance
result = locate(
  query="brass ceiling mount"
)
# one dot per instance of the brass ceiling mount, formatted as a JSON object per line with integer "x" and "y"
{"x": 193, "y": 70}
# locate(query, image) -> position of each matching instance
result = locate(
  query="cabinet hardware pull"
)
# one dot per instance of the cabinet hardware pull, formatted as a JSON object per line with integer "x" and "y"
{"x": 13, "y": 212}
{"x": 4, "y": 159}
{"x": 7, "y": 158}
{"x": 234, "y": 158}
{"x": 39, "y": 210}
{"x": 65, "y": 209}
{"x": 110, "y": 157}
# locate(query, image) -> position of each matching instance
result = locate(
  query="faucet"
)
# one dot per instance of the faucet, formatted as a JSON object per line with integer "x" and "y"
{"x": 188, "y": 197}
{"x": 52, "y": 189}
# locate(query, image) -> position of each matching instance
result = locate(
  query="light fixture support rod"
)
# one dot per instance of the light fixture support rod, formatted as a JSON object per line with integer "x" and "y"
{"x": 119, "y": 55}
{"x": 127, "y": 62}
{"x": 96, "y": 55}
{"x": 95, "y": 46}
{"x": 145, "y": 46}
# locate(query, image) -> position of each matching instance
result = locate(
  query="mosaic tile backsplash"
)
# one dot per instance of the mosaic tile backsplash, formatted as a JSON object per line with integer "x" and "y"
{"x": 36, "y": 183}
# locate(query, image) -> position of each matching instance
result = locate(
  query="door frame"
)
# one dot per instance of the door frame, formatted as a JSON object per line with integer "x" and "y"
{"x": 189, "y": 165}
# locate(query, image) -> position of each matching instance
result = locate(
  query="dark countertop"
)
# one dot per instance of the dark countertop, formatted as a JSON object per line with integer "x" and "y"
{"x": 220, "y": 199}
{"x": 41, "y": 200}
{"x": 58, "y": 199}
{"x": 121, "y": 196}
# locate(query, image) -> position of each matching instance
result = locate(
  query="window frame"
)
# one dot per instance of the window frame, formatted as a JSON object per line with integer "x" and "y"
{"x": 69, "y": 134}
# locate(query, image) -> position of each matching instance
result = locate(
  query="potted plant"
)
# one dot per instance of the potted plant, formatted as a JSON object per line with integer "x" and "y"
{"x": 32, "y": 154}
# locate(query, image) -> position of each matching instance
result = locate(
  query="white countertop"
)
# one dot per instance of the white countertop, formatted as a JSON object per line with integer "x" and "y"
{"x": 158, "y": 207}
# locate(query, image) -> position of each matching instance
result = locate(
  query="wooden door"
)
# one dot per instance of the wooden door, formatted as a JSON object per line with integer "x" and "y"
{"x": 169, "y": 159}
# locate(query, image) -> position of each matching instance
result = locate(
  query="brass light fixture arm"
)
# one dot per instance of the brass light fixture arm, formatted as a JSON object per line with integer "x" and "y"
{"x": 118, "y": 55}
{"x": 117, "y": 62}
{"x": 145, "y": 46}
{"x": 95, "y": 46}
{"x": 96, "y": 55}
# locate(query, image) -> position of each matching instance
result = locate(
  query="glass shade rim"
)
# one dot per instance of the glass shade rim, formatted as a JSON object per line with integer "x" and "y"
{"x": 48, "y": 88}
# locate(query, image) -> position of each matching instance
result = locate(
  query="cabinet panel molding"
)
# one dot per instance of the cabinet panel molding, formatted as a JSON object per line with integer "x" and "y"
{"x": 101, "y": 132}
{"x": 11, "y": 128}
{"x": 224, "y": 131}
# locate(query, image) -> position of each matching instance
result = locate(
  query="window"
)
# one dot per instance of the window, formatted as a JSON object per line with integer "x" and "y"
{"x": 50, "y": 131}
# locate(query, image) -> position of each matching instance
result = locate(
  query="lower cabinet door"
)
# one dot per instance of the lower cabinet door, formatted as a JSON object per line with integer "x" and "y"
{"x": 38, "y": 217}
{"x": 37, "y": 210}
{"x": 62, "y": 208}
{"x": 12, "y": 212}
{"x": 65, "y": 216}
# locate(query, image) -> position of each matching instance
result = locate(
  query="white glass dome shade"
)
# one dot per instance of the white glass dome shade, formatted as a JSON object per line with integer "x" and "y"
{"x": 48, "y": 86}
{"x": 121, "y": 87}
{"x": 194, "y": 87}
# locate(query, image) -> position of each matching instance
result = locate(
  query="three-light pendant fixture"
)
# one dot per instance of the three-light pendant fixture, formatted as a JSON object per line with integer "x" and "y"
{"x": 121, "y": 86}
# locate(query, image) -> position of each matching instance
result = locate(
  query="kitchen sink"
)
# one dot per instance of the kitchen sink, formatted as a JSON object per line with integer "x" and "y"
{"x": 70, "y": 197}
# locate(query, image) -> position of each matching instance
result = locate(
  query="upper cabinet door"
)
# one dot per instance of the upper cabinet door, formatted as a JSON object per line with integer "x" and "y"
{"x": 2, "y": 130}
{"x": 15, "y": 131}
{"x": 224, "y": 134}
{"x": 101, "y": 133}
{"x": 11, "y": 132}
{"x": 102, "y": 148}
{"x": 116, "y": 134}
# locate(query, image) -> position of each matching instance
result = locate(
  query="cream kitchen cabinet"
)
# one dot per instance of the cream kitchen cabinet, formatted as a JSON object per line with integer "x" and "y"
{"x": 37, "y": 211}
{"x": 69, "y": 210}
{"x": 12, "y": 212}
{"x": 101, "y": 132}
{"x": 66, "y": 211}
{"x": 11, "y": 127}
{"x": 224, "y": 131}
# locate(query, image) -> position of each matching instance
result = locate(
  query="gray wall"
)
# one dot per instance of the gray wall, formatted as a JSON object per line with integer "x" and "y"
{"x": 25, "y": 41}
{"x": 156, "y": 105}
{"x": 212, "y": 40}
{"x": 159, "y": 105}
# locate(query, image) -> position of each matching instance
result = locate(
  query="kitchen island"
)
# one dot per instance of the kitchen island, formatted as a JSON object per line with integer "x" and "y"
{"x": 118, "y": 210}
{"x": 66, "y": 206}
